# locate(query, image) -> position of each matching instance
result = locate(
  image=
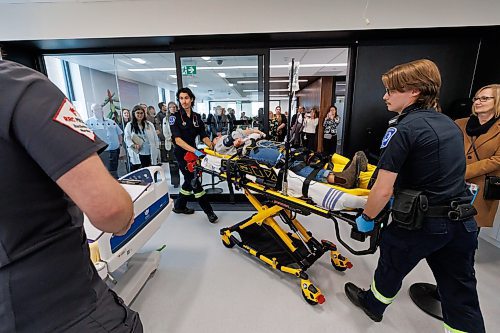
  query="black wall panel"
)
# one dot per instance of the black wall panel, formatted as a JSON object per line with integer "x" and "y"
{"x": 488, "y": 67}
{"x": 368, "y": 120}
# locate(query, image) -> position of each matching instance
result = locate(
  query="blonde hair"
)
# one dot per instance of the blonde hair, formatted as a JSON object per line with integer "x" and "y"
{"x": 422, "y": 75}
{"x": 495, "y": 88}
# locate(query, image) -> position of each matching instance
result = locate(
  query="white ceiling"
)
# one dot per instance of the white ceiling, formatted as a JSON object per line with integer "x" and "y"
{"x": 159, "y": 70}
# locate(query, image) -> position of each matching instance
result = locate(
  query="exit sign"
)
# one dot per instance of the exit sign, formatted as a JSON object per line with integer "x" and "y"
{"x": 189, "y": 70}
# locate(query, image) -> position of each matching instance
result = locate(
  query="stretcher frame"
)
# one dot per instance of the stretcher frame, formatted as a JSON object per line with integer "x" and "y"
{"x": 299, "y": 243}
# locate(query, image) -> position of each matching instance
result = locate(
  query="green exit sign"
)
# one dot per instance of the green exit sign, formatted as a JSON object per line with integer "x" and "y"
{"x": 189, "y": 70}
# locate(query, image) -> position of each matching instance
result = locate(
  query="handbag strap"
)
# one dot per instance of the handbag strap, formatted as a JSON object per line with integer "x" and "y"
{"x": 474, "y": 147}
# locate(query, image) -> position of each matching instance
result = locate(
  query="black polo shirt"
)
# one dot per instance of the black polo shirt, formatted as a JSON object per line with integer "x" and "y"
{"x": 425, "y": 149}
{"x": 46, "y": 277}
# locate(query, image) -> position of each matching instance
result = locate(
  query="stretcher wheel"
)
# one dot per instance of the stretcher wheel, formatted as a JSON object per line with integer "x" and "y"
{"x": 230, "y": 244}
{"x": 338, "y": 268}
{"x": 309, "y": 301}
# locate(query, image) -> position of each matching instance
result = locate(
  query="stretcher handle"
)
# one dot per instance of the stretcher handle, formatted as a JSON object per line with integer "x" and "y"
{"x": 380, "y": 222}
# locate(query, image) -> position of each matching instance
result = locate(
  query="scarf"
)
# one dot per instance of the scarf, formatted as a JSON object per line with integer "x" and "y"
{"x": 474, "y": 128}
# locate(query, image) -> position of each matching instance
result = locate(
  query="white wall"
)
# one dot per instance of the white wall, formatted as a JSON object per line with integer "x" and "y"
{"x": 96, "y": 83}
{"x": 54, "y": 19}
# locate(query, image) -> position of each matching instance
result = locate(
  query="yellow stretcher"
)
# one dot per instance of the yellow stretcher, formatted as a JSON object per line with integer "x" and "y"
{"x": 262, "y": 236}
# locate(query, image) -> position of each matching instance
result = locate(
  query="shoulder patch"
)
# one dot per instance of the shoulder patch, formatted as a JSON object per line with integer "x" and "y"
{"x": 171, "y": 120}
{"x": 388, "y": 136}
{"x": 69, "y": 117}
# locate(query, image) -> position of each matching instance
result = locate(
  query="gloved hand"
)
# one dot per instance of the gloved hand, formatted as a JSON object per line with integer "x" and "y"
{"x": 364, "y": 224}
{"x": 199, "y": 153}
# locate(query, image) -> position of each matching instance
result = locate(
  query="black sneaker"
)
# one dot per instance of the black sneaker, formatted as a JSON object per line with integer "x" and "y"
{"x": 183, "y": 211}
{"x": 212, "y": 217}
{"x": 354, "y": 294}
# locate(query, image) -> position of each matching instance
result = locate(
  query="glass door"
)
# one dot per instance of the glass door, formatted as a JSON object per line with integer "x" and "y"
{"x": 229, "y": 89}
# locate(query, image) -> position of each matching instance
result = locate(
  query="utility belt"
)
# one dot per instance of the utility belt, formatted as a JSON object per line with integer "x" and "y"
{"x": 411, "y": 207}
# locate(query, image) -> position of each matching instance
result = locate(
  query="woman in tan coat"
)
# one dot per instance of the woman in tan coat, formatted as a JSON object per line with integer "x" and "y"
{"x": 482, "y": 130}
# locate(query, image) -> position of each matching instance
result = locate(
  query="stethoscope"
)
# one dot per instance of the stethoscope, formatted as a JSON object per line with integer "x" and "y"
{"x": 195, "y": 119}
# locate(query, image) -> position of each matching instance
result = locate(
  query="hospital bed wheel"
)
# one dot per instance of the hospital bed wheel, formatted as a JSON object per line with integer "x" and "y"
{"x": 338, "y": 268}
{"x": 309, "y": 301}
{"x": 230, "y": 245}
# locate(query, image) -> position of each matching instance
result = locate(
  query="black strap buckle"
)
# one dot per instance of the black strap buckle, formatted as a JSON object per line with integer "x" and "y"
{"x": 453, "y": 215}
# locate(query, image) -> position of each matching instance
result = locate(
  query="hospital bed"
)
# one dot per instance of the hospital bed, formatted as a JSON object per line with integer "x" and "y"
{"x": 262, "y": 236}
{"x": 115, "y": 257}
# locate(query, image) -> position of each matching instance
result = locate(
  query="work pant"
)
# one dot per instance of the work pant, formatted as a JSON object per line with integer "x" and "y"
{"x": 110, "y": 160}
{"x": 110, "y": 315}
{"x": 189, "y": 187}
{"x": 174, "y": 167}
{"x": 449, "y": 247}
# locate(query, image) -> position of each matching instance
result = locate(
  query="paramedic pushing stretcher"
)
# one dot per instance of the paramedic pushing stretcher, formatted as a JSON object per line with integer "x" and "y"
{"x": 422, "y": 150}
{"x": 49, "y": 171}
{"x": 186, "y": 125}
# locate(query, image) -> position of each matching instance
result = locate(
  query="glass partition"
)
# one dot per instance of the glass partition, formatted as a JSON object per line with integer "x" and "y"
{"x": 115, "y": 82}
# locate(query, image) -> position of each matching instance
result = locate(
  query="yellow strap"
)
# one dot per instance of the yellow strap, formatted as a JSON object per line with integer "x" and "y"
{"x": 181, "y": 191}
{"x": 199, "y": 194}
{"x": 379, "y": 296}
{"x": 449, "y": 329}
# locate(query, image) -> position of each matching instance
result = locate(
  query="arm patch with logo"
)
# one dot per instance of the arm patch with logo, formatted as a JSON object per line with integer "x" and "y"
{"x": 388, "y": 136}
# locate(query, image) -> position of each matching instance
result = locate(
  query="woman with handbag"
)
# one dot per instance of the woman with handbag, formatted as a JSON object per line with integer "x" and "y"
{"x": 482, "y": 150}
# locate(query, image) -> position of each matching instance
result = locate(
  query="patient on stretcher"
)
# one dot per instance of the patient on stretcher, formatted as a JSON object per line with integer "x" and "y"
{"x": 308, "y": 165}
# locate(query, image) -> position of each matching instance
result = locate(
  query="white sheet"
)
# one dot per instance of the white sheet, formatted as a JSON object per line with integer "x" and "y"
{"x": 323, "y": 195}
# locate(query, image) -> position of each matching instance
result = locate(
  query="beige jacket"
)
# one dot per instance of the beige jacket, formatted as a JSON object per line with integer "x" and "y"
{"x": 488, "y": 150}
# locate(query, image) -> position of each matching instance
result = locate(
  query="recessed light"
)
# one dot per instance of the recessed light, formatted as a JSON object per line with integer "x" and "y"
{"x": 139, "y": 60}
{"x": 173, "y": 76}
{"x": 230, "y": 84}
{"x": 205, "y": 58}
{"x": 222, "y": 74}
{"x": 192, "y": 85}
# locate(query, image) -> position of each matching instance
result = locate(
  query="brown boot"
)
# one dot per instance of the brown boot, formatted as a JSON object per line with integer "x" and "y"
{"x": 348, "y": 177}
{"x": 362, "y": 160}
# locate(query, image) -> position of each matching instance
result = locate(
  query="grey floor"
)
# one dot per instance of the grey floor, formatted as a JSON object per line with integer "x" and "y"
{"x": 202, "y": 286}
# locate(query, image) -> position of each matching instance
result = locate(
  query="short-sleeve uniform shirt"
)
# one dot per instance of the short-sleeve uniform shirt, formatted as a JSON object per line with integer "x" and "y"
{"x": 186, "y": 128}
{"x": 44, "y": 257}
{"x": 425, "y": 149}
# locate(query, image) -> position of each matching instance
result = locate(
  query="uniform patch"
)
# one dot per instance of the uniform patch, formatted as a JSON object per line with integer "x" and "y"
{"x": 69, "y": 117}
{"x": 388, "y": 136}
{"x": 171, "y": 120}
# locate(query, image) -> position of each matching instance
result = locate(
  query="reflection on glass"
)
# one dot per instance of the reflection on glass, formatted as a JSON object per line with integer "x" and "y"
{"x": 226, "y": 89}
{"x": 117, "y": 83}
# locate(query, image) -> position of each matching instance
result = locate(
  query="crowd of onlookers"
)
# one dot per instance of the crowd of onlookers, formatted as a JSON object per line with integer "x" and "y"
{"x": 147, "y": 137}
{"x": 305, "y": 128}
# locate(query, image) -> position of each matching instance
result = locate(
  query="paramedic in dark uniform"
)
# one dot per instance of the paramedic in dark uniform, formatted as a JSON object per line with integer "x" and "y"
{"x": 49, "y": 171}
{"x": 186, "y": 125}
{"x": 422, "y": 150}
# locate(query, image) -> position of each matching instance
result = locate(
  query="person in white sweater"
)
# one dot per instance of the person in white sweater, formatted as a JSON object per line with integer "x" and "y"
{"x": 309, "y": 130}
{"x": 143, "y": 145}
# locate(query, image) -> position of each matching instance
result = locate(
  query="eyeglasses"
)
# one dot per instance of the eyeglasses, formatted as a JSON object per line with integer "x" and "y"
{"x": 482, "y": 98}
{"x": 389, "y": 91}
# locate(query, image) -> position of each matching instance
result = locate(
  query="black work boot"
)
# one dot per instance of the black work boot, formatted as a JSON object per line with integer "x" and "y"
{"x": 355, "y": 295}
{"x": 186, "y": 210}
{"x": 212, "y": 217}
